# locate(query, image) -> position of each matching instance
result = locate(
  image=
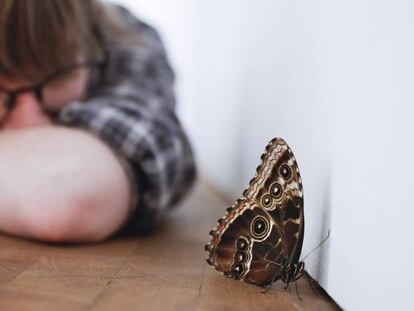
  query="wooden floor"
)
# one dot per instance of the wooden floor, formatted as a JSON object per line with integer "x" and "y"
{"x": 164, "y": 271}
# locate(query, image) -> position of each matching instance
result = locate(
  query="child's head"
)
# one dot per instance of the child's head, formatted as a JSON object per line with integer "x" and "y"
{"x": 40, "y": 38}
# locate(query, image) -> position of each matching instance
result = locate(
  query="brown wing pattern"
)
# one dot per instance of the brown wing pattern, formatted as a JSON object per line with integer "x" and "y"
{"x": 259, "y": 239}
{"x": 277, "y": 187}
{"x": 246, "y": 244}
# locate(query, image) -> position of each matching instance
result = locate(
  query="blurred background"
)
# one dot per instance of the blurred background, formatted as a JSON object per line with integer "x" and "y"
{"x": 334, "y": 79}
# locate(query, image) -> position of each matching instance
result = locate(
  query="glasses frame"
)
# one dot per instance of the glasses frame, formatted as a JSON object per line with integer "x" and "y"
{"x": 37, "y": 89}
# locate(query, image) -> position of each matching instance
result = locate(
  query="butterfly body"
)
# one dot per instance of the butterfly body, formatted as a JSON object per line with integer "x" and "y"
{"x": 260, "y": 237}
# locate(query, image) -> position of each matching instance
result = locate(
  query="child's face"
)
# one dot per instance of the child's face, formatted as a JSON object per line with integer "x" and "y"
{"x": 26, "y": 110}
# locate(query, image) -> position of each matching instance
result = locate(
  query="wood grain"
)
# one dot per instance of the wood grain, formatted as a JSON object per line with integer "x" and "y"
{"x": 165, "y": 270}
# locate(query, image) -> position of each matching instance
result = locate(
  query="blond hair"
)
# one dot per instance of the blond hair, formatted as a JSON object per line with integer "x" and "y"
{"x": 39, "y": 36}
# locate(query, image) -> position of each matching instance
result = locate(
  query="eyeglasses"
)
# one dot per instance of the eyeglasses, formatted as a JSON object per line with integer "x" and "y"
{"x": 53, "y": 92}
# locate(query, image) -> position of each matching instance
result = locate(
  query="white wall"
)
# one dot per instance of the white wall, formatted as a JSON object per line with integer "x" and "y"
{"x": 335, "y": 79}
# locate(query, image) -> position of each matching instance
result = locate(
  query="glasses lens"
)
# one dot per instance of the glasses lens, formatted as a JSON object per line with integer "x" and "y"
{"x": 66, "y": 87}
{"x": 4, "y": 97}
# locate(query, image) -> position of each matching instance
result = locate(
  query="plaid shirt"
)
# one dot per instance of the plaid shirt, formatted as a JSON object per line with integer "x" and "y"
{"x": 130, "y": 105}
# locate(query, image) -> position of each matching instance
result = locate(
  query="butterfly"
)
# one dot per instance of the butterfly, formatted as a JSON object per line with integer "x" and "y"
{"x": 259, "y": 239}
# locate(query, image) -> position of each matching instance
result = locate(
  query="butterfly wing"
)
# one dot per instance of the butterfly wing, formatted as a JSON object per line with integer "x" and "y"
{"x": 262, "y": 233}
{"x": 247, "y": 244}
{"x": 277, "y": 187}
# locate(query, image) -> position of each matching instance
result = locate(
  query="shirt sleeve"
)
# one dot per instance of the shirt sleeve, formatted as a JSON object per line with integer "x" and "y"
{"x": 131, "y": 107}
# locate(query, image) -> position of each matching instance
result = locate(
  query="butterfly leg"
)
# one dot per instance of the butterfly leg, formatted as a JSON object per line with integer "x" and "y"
{"x": 288, "y": 287}
{"x": 270, "y": 284}
{"x": 267, "y": 288}
{"x": 312, "y": 285}
{"x": 297, "y": 292}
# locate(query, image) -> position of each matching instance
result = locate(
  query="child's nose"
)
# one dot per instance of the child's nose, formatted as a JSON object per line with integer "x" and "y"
{"x": 26, "y": 112}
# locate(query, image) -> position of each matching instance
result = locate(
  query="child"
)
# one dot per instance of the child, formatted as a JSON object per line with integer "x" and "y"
{"x": 75, "y": 68}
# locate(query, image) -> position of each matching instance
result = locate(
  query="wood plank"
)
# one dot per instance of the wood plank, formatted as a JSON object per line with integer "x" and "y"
{"x": 165, "y": 270}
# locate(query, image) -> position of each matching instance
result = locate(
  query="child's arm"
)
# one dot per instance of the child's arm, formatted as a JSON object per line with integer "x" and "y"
{"x": 60, "y": 184}
{"x": 132, "y": 108}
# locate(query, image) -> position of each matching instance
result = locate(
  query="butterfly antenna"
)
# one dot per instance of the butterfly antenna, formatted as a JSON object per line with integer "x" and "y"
{"x": 320, "y": 244}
